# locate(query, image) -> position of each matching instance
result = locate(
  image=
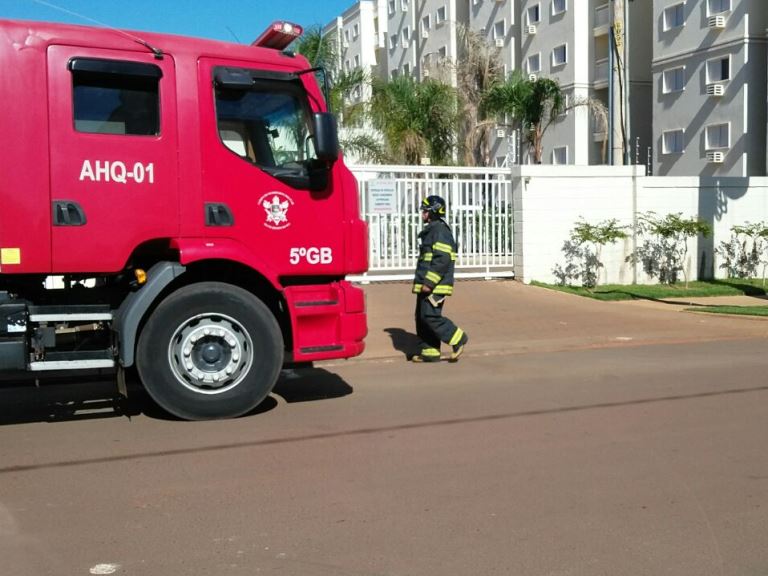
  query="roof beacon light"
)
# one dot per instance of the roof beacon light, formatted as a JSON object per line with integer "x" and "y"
{"x": 278, "y": 36}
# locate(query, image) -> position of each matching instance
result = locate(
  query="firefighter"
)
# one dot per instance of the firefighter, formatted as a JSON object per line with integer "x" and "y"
{"x": 433, "y": 282}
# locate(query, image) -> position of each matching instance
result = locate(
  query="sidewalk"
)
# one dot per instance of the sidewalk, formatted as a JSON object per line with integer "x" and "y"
{"x": 508, "y": 317}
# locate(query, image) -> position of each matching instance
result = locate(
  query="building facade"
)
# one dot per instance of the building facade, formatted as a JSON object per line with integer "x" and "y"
{"x": 709, "y": 81}
{"x": 693, "y": 100}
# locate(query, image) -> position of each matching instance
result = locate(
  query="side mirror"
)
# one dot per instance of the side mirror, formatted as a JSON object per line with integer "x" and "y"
{"x": 326, "y": 137}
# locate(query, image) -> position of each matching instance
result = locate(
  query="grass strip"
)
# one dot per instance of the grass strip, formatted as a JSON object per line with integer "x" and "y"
{"x": 699, "y": 289}
{"x": 733, "y": 310}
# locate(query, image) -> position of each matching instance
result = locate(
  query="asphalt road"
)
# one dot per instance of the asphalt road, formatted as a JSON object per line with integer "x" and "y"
{"x": 634, "y": 449}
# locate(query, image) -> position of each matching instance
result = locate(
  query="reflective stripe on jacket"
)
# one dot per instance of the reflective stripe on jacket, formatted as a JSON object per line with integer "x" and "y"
{"x": 437, "y": 259}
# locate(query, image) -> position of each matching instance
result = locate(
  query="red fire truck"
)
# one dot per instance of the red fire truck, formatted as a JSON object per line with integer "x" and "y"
{"x": 176, "y": 204}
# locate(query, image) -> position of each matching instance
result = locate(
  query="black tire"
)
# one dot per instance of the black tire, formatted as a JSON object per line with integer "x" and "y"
{"x": 210, "y": 350}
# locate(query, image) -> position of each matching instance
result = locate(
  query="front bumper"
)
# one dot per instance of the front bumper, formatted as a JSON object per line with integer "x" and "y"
{"x": 328, "y": 321}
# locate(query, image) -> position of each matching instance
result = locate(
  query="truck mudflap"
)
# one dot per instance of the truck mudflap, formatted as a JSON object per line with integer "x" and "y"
{"x": 328, "y": 321}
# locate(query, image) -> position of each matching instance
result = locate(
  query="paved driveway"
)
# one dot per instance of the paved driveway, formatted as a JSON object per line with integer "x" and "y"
{"x": 510, "y": 317}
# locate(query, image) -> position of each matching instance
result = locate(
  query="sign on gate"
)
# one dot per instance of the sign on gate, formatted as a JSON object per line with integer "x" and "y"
{"x": 381, "y": 196}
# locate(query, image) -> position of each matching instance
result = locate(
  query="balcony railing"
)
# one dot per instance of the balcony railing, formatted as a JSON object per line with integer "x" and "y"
{"x": 601, "y": 71}
{"x": 602, "y": 15}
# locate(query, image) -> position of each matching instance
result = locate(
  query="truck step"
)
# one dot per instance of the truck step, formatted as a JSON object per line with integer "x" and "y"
{"x": 90, "y": 313}
{"x": 87, "y": 360}
{"x": 51, "y": 365}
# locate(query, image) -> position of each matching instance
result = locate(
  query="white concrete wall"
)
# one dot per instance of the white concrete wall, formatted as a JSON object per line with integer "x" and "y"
{"x": 549, "y": 200}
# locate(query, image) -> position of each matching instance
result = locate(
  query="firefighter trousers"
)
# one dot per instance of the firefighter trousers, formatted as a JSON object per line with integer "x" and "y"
{"x": 432, "y": 327}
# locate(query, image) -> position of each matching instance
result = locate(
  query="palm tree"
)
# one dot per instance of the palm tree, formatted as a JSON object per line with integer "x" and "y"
{"x": 534, "y": 104}
{"x": 415, "y": 119}
{"x": 321, "y": 51}
{"x": 478, "y": 67}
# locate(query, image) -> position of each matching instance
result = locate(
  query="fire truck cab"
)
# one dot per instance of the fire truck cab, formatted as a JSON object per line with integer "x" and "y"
{"x": 176, "y": 204}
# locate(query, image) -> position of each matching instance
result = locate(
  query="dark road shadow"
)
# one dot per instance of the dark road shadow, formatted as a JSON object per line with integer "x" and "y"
{"x": 95, "y": 398}
{"x": 403, "y": 341}
{"x": 308, "y": 384}
{"x": 66, "y": 401}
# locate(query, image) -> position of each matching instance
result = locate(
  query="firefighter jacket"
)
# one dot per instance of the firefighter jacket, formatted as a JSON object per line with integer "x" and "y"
{"x": 437, "y": 259}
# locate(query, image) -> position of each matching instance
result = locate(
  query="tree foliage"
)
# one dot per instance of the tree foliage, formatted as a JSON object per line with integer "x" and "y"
{"x": 416, "y": 120}
{"x": 533, "y": 104}
{"x": 478, "y": 67}
{"x": 351, "y": 112}
{"x": 745, "y": 253}
{"x": 583, "y": 251}
{"x": 664, "y": 250}
{"x": 319, "y": 49}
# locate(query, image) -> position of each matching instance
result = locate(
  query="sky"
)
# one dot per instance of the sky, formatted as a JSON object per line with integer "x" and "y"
{"x": 230, "y": 20}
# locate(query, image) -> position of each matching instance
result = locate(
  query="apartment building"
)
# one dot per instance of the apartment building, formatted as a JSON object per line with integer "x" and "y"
{"x": 497, "y": 22}
{"x": 357, "y": 38}
{"x": 422, "y": 35}
{"x": 567, "y": 40}
{"x": 709, "y": 72}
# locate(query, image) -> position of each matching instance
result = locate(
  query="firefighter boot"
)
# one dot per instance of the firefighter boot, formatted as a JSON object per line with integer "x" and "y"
{"x": 427, "y": 355}
{"x": 458, "y": 349}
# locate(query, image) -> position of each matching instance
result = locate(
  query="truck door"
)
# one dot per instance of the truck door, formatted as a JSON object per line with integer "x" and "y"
{"x": 113, "y": 155}
{"x": 257, "y": 151}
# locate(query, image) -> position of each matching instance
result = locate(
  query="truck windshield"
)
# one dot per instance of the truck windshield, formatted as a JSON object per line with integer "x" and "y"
{"x": 267, "y": 125}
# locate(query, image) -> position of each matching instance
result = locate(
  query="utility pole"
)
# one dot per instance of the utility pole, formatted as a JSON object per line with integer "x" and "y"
{"x": 618, "y": 84}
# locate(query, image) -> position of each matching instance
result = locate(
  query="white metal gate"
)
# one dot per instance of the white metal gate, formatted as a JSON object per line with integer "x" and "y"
{"x": 480, "y": 213}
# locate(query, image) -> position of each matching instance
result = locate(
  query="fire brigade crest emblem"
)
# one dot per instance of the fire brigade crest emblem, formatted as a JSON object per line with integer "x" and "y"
{"x": 276, "y": 205}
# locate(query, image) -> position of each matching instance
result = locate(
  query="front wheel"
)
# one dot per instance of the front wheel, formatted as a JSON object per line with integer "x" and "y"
{"x": 210, "y": 350}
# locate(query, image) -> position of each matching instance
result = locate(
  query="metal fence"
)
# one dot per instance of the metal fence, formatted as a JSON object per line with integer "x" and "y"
{"x": 480, "y": 213}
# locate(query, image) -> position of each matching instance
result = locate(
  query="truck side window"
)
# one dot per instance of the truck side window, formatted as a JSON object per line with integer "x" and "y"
{"x": 115, "y": 97}
{"x": 267, "y": 124}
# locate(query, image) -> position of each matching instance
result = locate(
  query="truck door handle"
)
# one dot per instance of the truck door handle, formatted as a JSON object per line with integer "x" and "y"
{"x": 68, "y": 213}
{"x": 217, "y": 214}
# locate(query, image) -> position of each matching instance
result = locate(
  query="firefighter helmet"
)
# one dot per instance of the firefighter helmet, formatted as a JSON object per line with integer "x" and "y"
{"x": 434, "y": 205}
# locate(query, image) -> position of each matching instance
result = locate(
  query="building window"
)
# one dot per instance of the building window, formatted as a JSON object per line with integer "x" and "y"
{"x": 673, "y": 142}
{"x": 534, "y": 14}
{"x": 346, "y": 65}
{"x": 355, "y": 31}
{"x": 718, "y": 6}
{"x": 406, "y": 37}
{"x": 558, "y": 7}
{"x": 406, "y": 69}
{"x": 560, "y": 155}
{"x": 393, "y": 42}
{"x": 426, "y": 23}
{"x": 357, "y": 61}
{"x": 499, "y": 30}
{"x": 566, "y": 106}
{"x": 116, "y": 97}
{"x": 718, "y": 136}
{"x": 404, "y": 5}
{"x": 443, "y": 52}
{"x": 718, "y": 69}
{"x": 391, "y": 6}
{"x": 534, "y": 64}
{"x": 674, "y": 16}
{"x": 440, "y": 16}
{"x": 674, "y": 80}
{"x": 560, "y": 55}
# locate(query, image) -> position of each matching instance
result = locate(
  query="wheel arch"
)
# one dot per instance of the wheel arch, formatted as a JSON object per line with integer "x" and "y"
{"x": 164, "y": 278}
